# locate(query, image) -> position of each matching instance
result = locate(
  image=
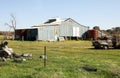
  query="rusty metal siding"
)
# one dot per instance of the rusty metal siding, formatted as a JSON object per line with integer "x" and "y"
{"x": 20, "y": 33}
{"x": 92, "y": 34}
{"x": 26, "y": 34}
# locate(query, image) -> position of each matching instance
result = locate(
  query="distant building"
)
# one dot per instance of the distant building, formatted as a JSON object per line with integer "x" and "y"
{"x": 95, "y": 34}
{"x": 53, "y": 29}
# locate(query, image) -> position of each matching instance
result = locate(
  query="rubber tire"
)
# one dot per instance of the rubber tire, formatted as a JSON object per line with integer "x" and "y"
{"x": 105, "y": 47}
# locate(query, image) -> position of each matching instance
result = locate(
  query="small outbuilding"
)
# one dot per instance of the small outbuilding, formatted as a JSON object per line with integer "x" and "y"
{"x": 95, "y": 34}
{"x": 54, "y": 29}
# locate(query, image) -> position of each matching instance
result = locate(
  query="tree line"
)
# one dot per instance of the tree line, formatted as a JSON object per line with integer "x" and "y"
{"x": 115, "y": 30}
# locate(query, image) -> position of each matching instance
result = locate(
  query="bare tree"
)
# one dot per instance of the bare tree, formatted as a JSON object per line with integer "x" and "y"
{"x": 12, "y": 24}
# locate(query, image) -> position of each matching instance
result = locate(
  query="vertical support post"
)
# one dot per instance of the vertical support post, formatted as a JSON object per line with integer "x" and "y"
{"x": 45, "y": 56}
{"x": 22, "y": 38}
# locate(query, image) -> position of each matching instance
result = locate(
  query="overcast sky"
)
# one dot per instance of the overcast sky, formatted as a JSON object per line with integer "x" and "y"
{"x": 102, "y": 13}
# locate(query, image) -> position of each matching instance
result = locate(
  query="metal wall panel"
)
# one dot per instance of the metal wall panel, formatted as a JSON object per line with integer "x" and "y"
{"x": 47, "y": 33}
{"x": 32, "y": 34}
{"x": 67, "y": 28}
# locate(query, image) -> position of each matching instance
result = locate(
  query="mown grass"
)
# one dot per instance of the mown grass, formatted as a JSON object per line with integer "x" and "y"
{"x": 64, "y": 60}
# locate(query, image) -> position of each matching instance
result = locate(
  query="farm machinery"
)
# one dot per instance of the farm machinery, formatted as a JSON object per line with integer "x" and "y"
{"x": 106, "y": 43}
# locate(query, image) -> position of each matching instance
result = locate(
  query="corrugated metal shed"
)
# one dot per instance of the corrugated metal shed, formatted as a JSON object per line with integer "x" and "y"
{"x": 56, "y": 29}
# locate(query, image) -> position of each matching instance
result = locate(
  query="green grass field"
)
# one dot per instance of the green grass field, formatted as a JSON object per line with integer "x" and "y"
{"x": 64, "y": 60}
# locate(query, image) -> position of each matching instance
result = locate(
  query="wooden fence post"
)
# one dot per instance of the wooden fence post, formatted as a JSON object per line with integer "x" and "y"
{"x": 45, "y": 56}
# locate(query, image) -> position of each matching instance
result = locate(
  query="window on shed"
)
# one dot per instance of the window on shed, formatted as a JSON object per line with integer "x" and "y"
{"x": 50, "y": 21}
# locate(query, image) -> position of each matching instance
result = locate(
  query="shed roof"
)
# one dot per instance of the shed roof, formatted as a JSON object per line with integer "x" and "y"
{"x": 55, "y": 21}
{"x": 52, "y": 21}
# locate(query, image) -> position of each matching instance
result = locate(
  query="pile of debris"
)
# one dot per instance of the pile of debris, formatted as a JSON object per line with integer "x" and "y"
{"x": 6, "y": 53}
{"x": 22, "y": 57}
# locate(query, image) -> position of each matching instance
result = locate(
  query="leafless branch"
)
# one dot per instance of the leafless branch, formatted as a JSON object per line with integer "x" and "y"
{"x": 13, "y": 22}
